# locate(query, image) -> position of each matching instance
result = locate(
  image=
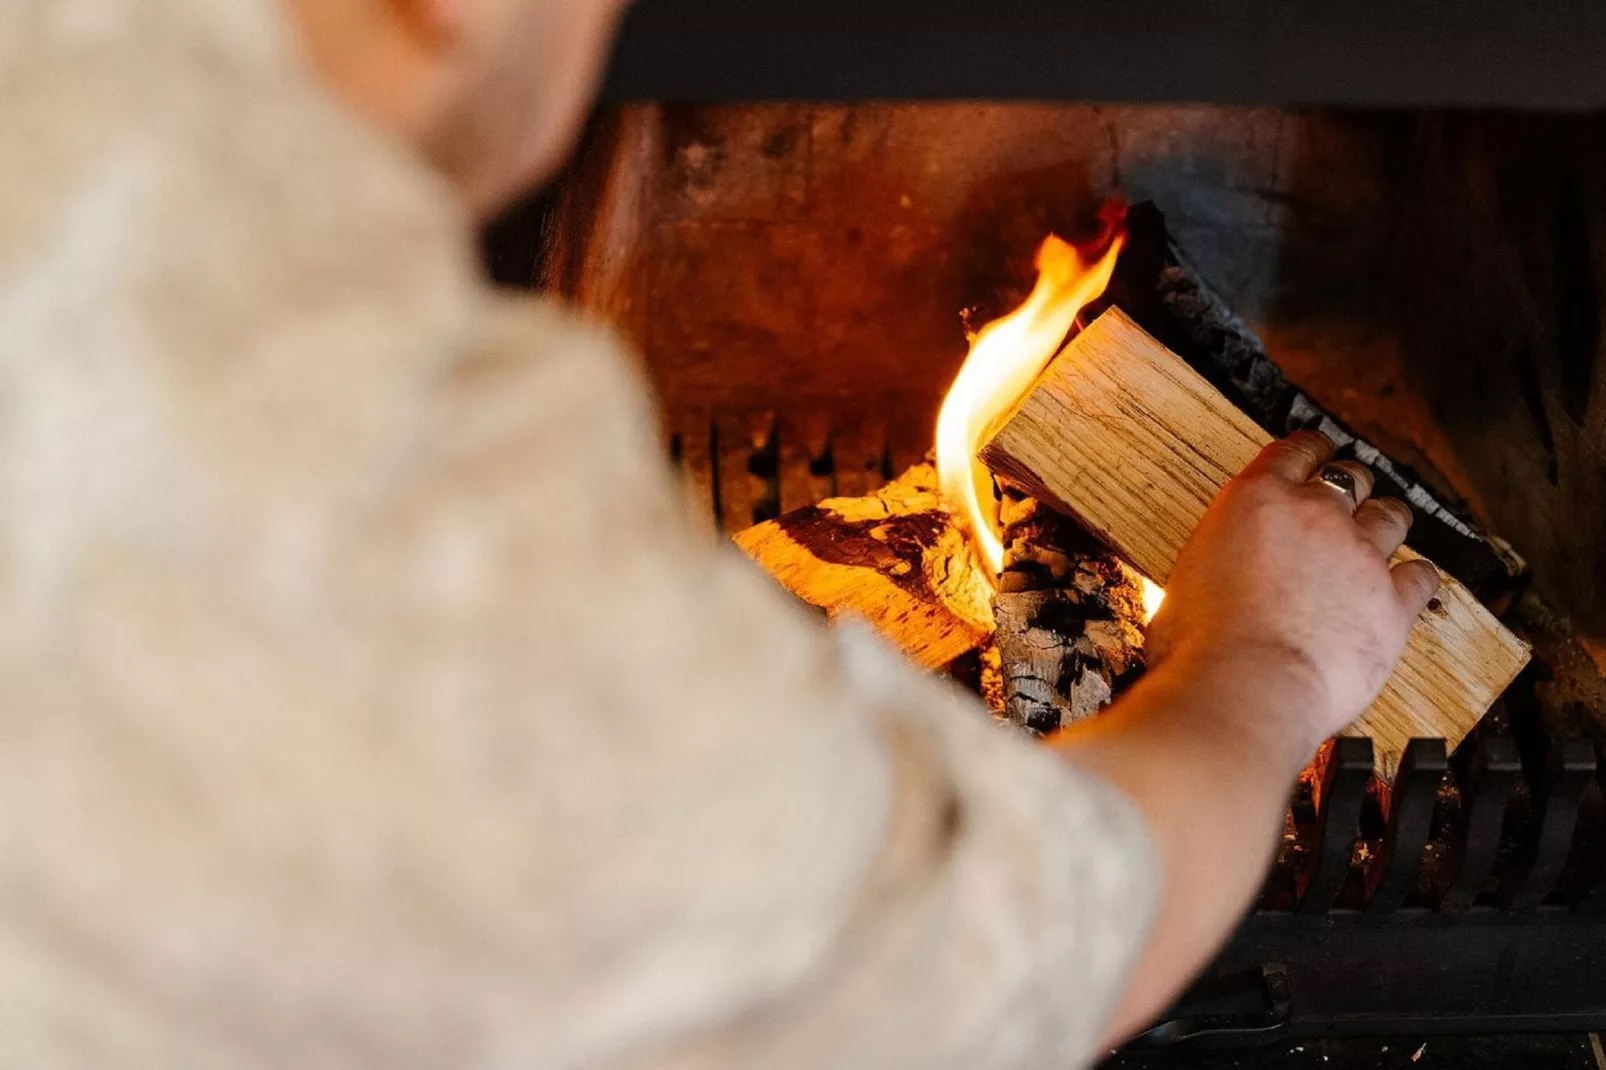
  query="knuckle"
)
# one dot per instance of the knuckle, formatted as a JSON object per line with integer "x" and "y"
{"x": 1257, "y": 488}
{"x": 1304, "y": 445}
{"x": 1282, "y": 448}
{"x": 1399, "y": 510}
{"x": 1309, "y": 439}
{"x": 1389, "y": 513}
{"x": 1304, "y": 449}
{"x": 1421, "y": 578}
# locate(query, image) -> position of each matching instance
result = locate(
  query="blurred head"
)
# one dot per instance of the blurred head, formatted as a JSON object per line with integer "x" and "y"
{"x": 492, "y": 91}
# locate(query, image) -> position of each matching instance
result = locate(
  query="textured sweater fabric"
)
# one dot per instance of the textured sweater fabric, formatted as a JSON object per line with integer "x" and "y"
{"x": 366, "y": 698}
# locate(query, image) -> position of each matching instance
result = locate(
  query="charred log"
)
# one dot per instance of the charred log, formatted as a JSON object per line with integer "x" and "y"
{"x": 1069, "y": 615}
{"x": 894, "y": 558}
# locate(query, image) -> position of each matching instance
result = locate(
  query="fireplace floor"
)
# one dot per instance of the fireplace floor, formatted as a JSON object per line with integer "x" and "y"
{"x": 1554, "y": 1051}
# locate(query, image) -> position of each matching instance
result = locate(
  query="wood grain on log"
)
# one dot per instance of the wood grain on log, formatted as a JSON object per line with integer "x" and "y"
{"x": 1155, "y": 284}
{"x": 1123, "y": 435}
{"x": 1069, "y": 615}
{"x": 895, "y": 558}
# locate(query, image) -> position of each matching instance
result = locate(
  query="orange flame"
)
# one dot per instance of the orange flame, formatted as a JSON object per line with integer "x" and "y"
{"x": 1153, "y": 596}
{"x": 1005, "y": 359}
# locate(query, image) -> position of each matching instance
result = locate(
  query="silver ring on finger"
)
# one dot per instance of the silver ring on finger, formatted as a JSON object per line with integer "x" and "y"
{"x": 1341, "y": 481}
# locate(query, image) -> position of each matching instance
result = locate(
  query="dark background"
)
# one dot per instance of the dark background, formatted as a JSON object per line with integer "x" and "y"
{"x": 1521, "y": 53}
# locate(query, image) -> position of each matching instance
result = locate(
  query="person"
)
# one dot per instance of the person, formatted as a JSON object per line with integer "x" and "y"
{"x": 368, "y": 700}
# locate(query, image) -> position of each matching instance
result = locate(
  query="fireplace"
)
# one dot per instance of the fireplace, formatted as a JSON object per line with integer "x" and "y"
{"x": 800, "y": 278}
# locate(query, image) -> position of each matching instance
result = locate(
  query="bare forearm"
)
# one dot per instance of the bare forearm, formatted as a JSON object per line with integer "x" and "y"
{"x": 1213, "y": 795}
{"x": 1283, "y": 618}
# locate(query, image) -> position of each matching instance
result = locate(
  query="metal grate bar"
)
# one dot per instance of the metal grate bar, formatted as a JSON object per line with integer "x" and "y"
{"x": 1494, "y": 775}
{"x": 1416, "y": 790}
{"x": 743, "y": 469}
{"x": 1343, "y": 791}
{"x": 1569, "y": 769}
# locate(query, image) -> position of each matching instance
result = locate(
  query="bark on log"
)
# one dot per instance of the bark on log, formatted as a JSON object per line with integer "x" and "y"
{"x": 1124, "y": 436}
{"x": 1069, "y": 618}
{"x": 895, "y": 558}
{"x": 1156, "y": 286}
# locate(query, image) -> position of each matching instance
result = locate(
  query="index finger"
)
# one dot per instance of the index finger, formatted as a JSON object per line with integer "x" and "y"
{"x": 1295, "y": 458}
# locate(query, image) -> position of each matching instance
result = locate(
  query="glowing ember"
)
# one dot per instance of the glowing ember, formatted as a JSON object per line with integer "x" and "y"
{"x": 1006, "y": 358}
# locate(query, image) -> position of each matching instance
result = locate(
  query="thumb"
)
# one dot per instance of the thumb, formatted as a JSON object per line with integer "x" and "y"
{"x": 1416, "y": 582}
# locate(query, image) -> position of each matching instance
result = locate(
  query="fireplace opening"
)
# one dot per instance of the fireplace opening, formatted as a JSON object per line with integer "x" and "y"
{"x": 805, "y": 283}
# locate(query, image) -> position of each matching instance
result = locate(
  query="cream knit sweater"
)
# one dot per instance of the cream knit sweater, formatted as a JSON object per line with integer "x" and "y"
{"x": 321, "y": 742}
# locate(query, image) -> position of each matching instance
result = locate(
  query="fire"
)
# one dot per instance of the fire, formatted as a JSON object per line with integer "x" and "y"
{"x": 1153, "y": 595}
{"x": 1006, "y": 357}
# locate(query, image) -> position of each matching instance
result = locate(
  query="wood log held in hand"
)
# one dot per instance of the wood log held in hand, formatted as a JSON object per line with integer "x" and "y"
{"x": 1155, "y": 285}
{"x": 1069, "y": 615}
{"x": 1121, "y": 434}
{"x": 895, "y": 558}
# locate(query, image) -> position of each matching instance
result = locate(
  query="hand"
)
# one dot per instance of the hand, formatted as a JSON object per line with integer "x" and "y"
{"x": 1281, "y": 622}
{"x": 1287, "y": 579}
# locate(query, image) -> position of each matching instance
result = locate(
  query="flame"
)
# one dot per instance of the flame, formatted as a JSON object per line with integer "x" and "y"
{"x": 1153, "y": 595}
{"x": 1006, "y": 357}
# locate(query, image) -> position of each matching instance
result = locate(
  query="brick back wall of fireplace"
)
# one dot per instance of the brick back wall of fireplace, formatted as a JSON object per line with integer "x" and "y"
{"x": 794, "y": 276}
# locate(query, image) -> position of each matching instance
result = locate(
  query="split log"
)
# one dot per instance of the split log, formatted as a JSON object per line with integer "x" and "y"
{"x": 1069, "y": 618}
{"x": 1156, "y": 286}
{"x": 1124, "y": 436}
{"x": 895, "y": 558}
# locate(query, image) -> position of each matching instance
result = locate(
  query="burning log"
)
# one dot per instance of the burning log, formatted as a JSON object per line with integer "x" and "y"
{"x": 1069, "y": 615}
{"x": 895, "y": 558}
{"x": 1120, "y": 433}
